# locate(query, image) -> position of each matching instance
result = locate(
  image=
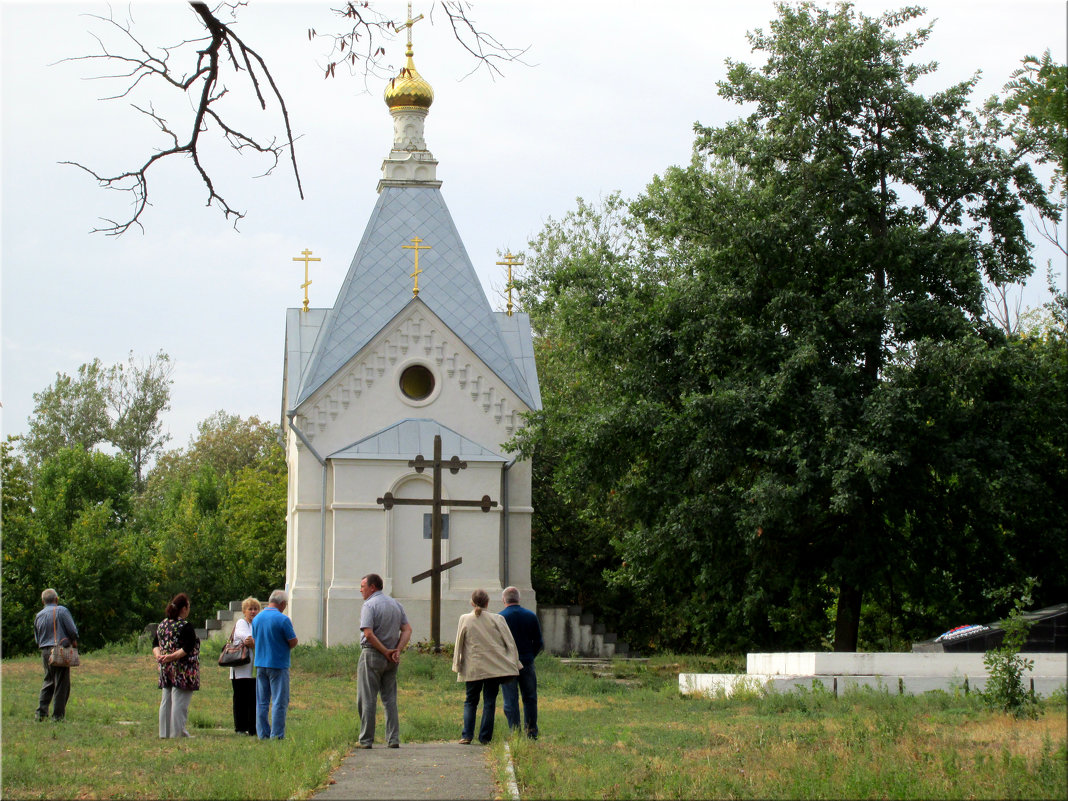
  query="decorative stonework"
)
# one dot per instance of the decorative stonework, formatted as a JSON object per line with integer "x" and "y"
{"x": 414, "y": 336}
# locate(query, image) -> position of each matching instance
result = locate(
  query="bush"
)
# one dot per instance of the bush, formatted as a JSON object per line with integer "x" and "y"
{"x": 1005, "y": 687}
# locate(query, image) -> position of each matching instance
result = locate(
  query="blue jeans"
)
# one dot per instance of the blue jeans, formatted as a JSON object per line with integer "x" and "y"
{"x": 272, "y": 694}
{"x": 487, "y": 688}
{"x": 527, "y": 686}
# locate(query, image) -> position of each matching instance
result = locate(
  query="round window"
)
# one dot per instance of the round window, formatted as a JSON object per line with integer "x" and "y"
{"x": 417, "y": 382}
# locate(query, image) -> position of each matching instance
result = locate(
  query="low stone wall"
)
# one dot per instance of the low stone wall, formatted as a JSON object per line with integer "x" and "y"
{"x": 893, "y": 672}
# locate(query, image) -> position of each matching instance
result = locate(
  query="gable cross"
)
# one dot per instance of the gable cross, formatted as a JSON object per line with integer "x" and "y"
{"x": 306, "y": 256}
{"x": 415, "y": 274}
{"x": 511, "y": 261}
{"x": 455, "y": 465}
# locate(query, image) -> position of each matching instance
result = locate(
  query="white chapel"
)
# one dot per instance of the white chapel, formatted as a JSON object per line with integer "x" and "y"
{"x": 410, "y": 349}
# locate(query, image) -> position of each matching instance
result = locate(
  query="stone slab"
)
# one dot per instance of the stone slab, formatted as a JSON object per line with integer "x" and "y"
{"x": 812, "y": 663}
{"x": 712, "y": 684}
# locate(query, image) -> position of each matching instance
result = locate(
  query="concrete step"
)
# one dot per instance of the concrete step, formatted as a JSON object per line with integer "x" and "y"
{"x": 567, "y": 630}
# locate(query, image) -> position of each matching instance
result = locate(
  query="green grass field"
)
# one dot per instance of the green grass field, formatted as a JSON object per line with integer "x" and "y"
{"x": 625, "y": 735}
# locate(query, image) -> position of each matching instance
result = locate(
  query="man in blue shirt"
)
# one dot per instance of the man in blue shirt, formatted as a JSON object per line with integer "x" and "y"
{"x": 384, "y": 633}
{"x": 274, "y": 638}
{"x": 526, "y": 631}
{"x": 52, "y": 626}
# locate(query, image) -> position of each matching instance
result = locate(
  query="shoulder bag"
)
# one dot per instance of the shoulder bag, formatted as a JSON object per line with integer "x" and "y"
{"x": 234, "y": 654}
{"x": 62, "y": 655}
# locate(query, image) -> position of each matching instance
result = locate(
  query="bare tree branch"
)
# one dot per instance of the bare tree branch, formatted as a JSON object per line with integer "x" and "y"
{"x": 193, "y": 69}
{"x": 363, "y": 42}
{"x": 1003, "y": 309}
{"x": 488, "y": 52}
{"x": 221, "y": 46}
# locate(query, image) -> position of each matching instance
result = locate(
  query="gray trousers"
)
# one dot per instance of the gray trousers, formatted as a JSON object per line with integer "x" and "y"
{"x": 174, "y": 712}
{"x": 376, "y": 676}
{"x": 55, "y": 690}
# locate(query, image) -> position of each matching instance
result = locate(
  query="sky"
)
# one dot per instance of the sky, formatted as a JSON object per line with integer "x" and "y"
{"x": 606, "y": 98}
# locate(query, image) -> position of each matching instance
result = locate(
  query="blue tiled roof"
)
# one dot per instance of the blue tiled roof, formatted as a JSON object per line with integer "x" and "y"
{"x": 378, "y": 285}
{"x": 414, "y": 436}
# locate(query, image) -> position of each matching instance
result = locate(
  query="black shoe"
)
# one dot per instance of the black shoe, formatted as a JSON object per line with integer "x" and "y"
{"x": 361, "y": 745}
{"x": 394, "y": 745}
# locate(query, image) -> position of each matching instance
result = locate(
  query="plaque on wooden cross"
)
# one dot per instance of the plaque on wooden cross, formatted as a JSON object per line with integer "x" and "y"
{"x": 455, "y": 465}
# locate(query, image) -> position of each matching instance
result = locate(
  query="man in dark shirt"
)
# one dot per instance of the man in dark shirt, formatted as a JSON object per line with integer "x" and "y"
{"x": 53, "y": 626}
{"x": 526, "y": 631}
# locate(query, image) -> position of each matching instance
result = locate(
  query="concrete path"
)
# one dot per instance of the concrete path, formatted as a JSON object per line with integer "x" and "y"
{"x": 414, "y": 771}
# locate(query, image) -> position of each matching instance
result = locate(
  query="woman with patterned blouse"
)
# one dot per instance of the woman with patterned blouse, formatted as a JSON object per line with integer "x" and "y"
{"x": 177, "y": 652}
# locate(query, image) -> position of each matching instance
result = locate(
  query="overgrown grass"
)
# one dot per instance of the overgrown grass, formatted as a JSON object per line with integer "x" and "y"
{"x": 632, "y": 736}
{"x": 626, "y": 734}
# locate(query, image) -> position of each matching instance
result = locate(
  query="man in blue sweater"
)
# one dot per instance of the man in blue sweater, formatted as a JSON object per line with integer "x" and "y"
{"x": 275, "y": 638}
{"x": 526, "y": 631}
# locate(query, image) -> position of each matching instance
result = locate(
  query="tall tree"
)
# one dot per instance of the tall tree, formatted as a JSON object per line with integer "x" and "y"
{"x": 77, "y": 541}
{"x": 737, "y": 428}
{"x": 70, "y": 413}
{"x": 214, "y": 512}
{"x": 138, "y": 394}
{"x": 75, "y": 412}
{"x": 1036, "y": 110}
{"x": 21, "y": 561}
{"x": 883, "y": 210}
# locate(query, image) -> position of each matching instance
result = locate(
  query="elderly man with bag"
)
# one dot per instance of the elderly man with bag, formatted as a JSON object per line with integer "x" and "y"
{"x": 53, "y": 626}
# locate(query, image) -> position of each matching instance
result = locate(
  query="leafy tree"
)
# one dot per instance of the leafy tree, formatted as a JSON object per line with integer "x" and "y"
{"x": 879, "y": 212}
{"x": 214, "y": 513}
{"x": 255, "y": 518}
{"x": 76, "y": 540}
{"x": 138, "y": 394}
{"x": 1039, "y": 107}
{"x": 70, "y": 413}
{"x": 1037, "y": 120}
{"x": 75, "y": 412}
{"x": 229, "y": 442}
{"x": 742, "y": 356}
{"x": 21, "y": 562}
{"x": 576, "y": 258}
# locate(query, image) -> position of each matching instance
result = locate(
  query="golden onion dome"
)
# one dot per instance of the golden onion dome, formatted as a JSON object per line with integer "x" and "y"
{"x": 409, "y": 88}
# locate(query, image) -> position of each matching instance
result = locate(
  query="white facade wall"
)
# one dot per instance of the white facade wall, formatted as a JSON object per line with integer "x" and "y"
{"x": 326, "y": 558}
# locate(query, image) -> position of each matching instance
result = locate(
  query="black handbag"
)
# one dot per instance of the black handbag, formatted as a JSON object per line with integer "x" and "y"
{"x": 234, "y": 654}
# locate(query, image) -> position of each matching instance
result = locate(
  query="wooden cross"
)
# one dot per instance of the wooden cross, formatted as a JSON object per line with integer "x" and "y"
{"x": 416, "y": 247}
{"x": 306, "y": 256}
{"x": 511, "y": 261}
{"x": 436, "y": 567}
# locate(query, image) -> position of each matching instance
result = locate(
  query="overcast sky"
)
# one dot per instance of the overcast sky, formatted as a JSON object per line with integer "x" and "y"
{"x": 609, "y": 100}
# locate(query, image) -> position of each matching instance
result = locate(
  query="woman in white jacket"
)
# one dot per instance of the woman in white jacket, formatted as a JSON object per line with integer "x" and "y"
{"x": 485, "y": 657}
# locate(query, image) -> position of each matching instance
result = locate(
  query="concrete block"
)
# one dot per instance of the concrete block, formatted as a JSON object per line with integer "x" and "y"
{"x": 596, "y": 644}
{"x": 585, "y": 637}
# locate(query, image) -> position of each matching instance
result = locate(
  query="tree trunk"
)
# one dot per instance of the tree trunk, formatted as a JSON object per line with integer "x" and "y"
{"x": 847, "y": 622}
